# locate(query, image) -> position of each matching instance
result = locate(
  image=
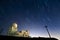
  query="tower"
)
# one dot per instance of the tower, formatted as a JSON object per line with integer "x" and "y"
{"x": 48, "y": 31}
{"x": 12, "y": 29}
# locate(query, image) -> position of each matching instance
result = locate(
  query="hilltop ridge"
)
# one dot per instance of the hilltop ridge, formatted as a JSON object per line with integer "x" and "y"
{"x": 19, "y": 38}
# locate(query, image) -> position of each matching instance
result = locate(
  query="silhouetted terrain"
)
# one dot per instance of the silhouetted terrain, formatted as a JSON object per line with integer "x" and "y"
{"x": 20, "y": 38}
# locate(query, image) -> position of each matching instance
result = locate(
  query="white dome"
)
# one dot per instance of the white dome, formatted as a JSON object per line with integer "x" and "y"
{"x": 15, "y": 25}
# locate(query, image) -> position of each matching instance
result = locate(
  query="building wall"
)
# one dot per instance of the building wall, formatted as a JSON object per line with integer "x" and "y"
{"x": 23, "y": 34}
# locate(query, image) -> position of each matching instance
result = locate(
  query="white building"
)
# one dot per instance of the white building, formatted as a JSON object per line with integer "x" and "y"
{"x": 13, "y": 31}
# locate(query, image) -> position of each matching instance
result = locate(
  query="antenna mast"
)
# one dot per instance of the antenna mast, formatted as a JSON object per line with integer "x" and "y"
{"x": 48, "y": 31}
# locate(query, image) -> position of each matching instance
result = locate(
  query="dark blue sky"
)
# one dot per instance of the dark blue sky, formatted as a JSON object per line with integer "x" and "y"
{"x": 32, "y": 15}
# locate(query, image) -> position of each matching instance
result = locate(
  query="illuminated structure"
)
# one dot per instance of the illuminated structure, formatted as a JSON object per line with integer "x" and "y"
{"x": 13, "y": 31}
{"x": 23, "y": 33}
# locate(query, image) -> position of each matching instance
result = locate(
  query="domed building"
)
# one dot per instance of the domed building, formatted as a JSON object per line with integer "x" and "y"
{"x": 13, "y": 31}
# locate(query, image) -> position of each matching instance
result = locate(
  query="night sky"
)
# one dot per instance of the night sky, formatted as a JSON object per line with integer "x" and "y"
{"x": 31, "y": 15}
